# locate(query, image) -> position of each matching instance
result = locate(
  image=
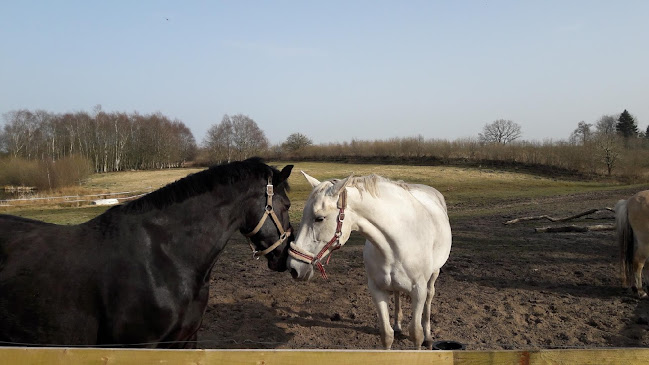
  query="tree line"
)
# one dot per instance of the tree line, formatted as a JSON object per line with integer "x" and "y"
{"x": 117, "y": 141}
{"x": 613, "y": 144}
{"x": 111, "y": 141}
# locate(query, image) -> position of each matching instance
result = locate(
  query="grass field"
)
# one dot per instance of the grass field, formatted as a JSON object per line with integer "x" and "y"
{"x": 468, "y": 191}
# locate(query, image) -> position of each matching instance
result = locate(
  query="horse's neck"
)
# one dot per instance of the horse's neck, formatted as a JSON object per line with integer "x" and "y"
{"x": 384, "y": 219}
{"x": 193, "y": 231}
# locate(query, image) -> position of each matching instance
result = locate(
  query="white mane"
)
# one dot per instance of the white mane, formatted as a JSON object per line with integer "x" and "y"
{"x": 370, "y": 183}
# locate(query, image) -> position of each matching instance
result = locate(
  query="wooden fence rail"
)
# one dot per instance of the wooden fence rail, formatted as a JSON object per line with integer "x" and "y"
{"x": 78, "y": 199}
{"x": 54, "y": 356}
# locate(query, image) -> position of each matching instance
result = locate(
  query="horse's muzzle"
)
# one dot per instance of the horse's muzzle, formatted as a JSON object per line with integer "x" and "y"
{"x": 299, "y": 270}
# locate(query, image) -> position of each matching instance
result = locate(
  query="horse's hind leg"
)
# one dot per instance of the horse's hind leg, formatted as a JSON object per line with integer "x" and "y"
{"x": 638, "y": 265}
{"x": 640, "y": 255}
{"x": 398, "y": 312}
{"x": 418, "y": 295}
{"x": 381, "y": 300}
{"x": 428, "y": 338}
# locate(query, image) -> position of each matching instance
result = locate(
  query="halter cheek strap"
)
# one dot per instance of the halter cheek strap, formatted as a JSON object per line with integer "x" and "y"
{"x": 268, "y": 211}
{"x": 304, "y": 256}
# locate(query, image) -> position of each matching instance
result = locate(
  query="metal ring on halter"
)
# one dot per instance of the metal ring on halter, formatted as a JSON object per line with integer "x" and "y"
{"x": 254, "y": 255}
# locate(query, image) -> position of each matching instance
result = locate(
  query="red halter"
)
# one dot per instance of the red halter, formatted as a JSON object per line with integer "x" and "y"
{"x": 307, "y": 257}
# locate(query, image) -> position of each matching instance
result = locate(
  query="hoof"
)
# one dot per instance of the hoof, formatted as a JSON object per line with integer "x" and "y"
{"x": 639, "y": 292}
{"x": 427, "y": 344}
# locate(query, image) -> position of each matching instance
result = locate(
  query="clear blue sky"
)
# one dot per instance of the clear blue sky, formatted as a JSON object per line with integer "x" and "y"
{"x": 333, "y": 70}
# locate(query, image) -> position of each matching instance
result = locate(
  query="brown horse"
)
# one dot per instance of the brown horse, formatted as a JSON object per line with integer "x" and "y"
{"x": 632, "y": 222}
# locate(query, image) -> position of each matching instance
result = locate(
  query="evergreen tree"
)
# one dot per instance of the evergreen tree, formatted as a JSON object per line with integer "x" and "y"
{"x": 646, "y": 133}
{"x": 626, "y": 125}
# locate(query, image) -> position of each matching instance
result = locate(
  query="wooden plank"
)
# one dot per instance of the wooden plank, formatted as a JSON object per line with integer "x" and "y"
{"x": 630, "y": 356}
{"x": 55, "y": 356}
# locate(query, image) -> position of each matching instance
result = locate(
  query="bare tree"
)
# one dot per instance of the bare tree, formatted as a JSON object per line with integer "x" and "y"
{"x": 248, "y": 138}
{"x": 606, "y": 125}
{"x": 19, "y": 130}
{"x": 218, "y": 141}
{"x": 608, "y": 149}
{"x": 582, "y": 134}
{"x": 111, "y": 141}
{"x": 500, "y": 131}
{"x": 236, "y": 137}
{"x": 296, "y": 142}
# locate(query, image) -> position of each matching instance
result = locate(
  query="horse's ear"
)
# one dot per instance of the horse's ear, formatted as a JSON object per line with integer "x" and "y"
{"x": 312, "y": 180}
{"x": 339, "y": 185}
{"x": 286, "y": 172}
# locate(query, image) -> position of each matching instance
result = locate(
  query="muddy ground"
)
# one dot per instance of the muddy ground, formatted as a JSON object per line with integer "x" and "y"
{"x": 504, "y": 287}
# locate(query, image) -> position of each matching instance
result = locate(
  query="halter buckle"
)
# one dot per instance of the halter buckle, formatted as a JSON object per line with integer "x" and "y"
{"x": 269, "y": 190}
{"x": 341, "y": 216}
{"x": 254, "y": 255}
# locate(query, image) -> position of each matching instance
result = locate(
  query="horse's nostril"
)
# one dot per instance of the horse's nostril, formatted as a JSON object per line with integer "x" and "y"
{"x": 294, "y": 273}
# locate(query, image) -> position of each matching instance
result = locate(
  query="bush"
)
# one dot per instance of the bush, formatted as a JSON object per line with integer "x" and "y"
{"x": 44, "y": 175}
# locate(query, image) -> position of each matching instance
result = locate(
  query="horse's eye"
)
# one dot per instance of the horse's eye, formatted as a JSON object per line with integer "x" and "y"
{"x": 319, "y": 219}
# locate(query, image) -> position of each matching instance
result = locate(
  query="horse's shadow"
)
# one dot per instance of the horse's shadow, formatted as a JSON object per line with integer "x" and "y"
{"x": 243, "y": 325}
{"x": 636, "y": 326}
{"x": 301, "y": 318}
{"x": 583, "y": 289}
{"x": 251, "y": 325}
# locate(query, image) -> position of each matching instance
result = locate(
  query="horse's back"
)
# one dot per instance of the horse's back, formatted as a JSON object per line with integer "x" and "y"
{"x": 638, "y": 213}
{"x": 430, "y": 197}
{"x": 10, "y": 223}
{"x": 16, "y": 234}
{"x": 435, "y": 203}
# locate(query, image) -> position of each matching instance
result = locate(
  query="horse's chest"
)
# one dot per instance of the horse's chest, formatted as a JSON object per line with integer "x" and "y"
{"x": 389, "y": 277}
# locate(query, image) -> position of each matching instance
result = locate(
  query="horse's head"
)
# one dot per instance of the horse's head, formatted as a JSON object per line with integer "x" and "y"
{"x": 267, "y": 222}
{"x": 322, "y": 229}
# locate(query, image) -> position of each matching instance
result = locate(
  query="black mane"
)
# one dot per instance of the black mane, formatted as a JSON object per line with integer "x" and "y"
{"x": 202, "y": 182}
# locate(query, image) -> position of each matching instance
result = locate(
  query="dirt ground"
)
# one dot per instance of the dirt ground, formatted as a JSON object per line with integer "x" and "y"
{"x": 504, "y": 287}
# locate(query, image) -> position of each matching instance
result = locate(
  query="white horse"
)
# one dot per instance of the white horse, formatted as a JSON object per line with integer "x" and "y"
{"x": 632, "y": 222}
{"x": 408, "y": 240}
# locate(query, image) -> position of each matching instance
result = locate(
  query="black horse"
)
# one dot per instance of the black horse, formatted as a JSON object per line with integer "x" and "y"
{"x": 137, "y": 275}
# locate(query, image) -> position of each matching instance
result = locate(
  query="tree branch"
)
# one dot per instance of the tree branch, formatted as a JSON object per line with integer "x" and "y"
{"x": 552, "y": 219}
{"x": 573, "y": 228}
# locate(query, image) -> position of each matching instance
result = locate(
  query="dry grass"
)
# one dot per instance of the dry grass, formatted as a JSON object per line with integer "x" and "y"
{"x": 467, "y": 190}
{"x": 464, "y": 188}
{"x": 135, "y": 180}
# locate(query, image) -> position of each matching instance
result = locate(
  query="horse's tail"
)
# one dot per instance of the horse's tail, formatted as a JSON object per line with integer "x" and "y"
{"x": 625, "y": 240}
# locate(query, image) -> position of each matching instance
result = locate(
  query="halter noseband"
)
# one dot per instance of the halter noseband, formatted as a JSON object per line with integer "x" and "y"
{"x": 268, "y": 211}
{"x": 308, "y": 257}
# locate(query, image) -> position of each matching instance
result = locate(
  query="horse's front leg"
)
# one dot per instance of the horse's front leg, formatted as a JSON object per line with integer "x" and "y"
{"x": 428, "y": 338}
{"x": 418, "y": 296}
{"x": 381, "y": 300}
{"x": 398, "y": 312}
